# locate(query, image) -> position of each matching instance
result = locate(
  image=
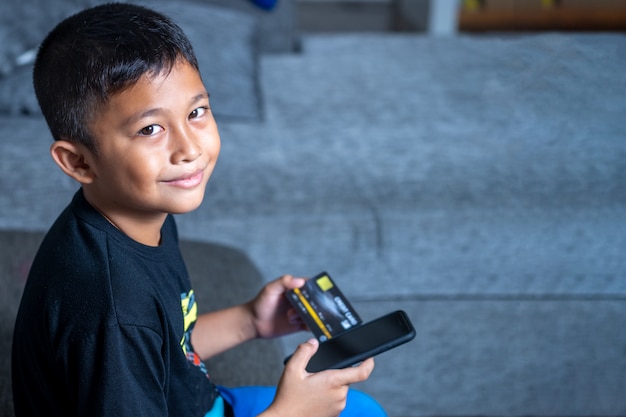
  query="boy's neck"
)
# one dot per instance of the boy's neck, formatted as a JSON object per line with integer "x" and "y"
{"x": 145, "y": 230}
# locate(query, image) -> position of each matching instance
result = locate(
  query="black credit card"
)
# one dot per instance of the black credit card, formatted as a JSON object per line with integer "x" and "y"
{"x": 323, "y": 307}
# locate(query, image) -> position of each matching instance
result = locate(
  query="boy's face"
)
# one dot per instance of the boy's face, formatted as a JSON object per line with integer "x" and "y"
{"x": 157, "y": 146}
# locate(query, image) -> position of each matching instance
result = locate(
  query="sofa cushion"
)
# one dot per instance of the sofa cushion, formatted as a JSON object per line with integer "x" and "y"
{"x": 24, "y": 24}
{"x": 224, "y": 42}
{"x": 17, "y": 96}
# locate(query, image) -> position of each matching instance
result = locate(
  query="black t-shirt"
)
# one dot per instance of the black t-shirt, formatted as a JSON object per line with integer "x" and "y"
{"x": 104, "y": 325}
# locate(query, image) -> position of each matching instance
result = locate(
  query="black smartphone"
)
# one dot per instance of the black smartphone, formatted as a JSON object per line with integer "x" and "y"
{"x": 362, "y": 342}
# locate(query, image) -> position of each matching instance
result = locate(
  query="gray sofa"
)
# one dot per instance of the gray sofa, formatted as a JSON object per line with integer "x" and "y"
{"x": 478, "y": 183}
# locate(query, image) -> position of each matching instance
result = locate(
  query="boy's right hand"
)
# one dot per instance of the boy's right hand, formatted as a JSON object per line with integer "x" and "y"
{"x": 321, "y": 394}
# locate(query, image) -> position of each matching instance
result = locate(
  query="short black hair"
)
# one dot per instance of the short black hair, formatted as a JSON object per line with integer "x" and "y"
{"x": 97, "y": 53}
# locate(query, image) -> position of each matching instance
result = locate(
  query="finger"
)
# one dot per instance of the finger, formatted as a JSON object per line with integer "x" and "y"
{"x": 355, "y": 374}
{"x": 290, "y": 282}
{"x": 294, "y": 318}
{"x": 282, "y": 284}
{"x": 278, "y": 286}
{"x": 303, "y": 354}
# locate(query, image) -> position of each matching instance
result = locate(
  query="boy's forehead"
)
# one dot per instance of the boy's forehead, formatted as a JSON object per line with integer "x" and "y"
{"x": 179, "y": 72}
{"x": 178, "y": 80}
{"x": 170, "y": 90}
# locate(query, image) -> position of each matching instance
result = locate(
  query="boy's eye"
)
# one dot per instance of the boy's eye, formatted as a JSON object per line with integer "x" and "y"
{"x": 150, "y": 130}
{"x": 200, "y": 111}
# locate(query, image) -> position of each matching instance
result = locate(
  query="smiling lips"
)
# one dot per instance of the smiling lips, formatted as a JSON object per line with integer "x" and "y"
{"x": 188, "y": 180}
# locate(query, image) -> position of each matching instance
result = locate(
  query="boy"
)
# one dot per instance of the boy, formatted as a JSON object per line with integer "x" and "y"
{"x": 107, "y": 323}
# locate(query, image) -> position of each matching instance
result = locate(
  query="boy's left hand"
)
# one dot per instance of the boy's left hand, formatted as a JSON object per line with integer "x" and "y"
{"x": 271, "y": 313}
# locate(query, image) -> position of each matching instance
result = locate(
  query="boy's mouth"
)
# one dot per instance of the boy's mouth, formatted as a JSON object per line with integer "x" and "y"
{"x": 189, "y": 180}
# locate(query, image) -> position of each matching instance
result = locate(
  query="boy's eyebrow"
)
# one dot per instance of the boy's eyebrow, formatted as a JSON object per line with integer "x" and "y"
{"x": 150, "y": 112}
{"x": 199, "y": 97}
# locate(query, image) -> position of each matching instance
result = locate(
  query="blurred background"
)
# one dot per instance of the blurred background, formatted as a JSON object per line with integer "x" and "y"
{"x": 464, "y": 161}
{"x": 461, "y": 16}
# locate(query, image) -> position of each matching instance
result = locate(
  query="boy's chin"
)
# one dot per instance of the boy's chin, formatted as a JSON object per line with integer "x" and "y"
{"x": 187, "y": 207}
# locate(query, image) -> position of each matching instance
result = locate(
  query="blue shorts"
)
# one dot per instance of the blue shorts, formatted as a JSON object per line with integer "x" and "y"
{"x": 252, "y": 401}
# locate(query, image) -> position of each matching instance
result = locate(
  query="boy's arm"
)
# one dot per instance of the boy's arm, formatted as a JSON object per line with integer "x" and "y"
{"x": 218, "y": 331}
{"x": 269, "y": 314}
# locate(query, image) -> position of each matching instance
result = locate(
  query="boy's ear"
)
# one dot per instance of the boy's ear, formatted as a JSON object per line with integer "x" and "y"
{"x": 73, "y": 159}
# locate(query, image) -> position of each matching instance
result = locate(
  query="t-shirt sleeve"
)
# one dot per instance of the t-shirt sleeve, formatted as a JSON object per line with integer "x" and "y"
{"x": 120, "y": 371}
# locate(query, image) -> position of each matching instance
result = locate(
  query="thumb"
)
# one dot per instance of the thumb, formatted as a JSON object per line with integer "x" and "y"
{"x": 303, "y": 354}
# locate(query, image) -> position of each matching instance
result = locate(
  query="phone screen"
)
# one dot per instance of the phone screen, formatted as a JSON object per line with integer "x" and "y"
{"x": 362, "y": 342}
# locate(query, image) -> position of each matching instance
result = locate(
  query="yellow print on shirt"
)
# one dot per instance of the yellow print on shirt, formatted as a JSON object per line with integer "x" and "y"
{"x": 190, "y": 315}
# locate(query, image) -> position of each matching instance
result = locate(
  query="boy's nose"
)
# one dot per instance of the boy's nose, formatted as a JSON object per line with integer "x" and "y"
{"x": 185, "y": 146}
